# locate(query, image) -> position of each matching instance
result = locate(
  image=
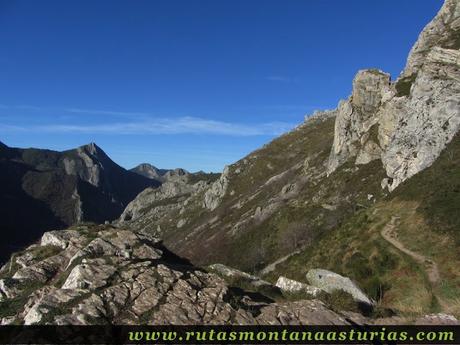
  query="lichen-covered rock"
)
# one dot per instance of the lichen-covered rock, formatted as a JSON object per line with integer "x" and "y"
{"x": 60, "y": 238}
{"x": 91, "y": 275}
{"x": 330, "y": 282}
{"x": 293, "y": 286}
{"x": 233, "y": 273}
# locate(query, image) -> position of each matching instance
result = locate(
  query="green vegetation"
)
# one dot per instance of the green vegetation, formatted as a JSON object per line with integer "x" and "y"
{"x": 11, "y": 307}
{"x": 427, "y": 208}
{"x": 202, "y": 176}
{"x": 42, "y": 252}
{"x": 403, "y": 85}
{"x": 437, "y": 190}
{"x": 63, "y": 308}
{"x": 374, "y": 133}
{"x": 39, "y": 253}
{"x": 453, "y": 41}
{"x": 340, "y": 300}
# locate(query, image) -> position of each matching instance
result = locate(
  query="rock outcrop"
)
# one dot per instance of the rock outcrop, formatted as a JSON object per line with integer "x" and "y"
{"x": 153, "y": 197}
{"x": 293, "y": 286}
{"x": 105, "y": 275}
{"x": 237, "y": 275}
{"x": 216, "y": 192}
{"x": 329, "y": 282}
{"x": 408, "y": 123}
{"x": 154, "y": 204}
{"x": 355, "y": 118}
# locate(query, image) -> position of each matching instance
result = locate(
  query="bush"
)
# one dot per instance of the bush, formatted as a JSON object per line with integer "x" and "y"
{"x": 339, "y": 300}
{"x": 404, "y": 84}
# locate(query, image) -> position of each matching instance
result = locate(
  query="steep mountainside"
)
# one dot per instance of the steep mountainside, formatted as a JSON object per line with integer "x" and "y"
{"x": 43, "y": 189}
{"x": 269, "y": 204}
{"x": 345, "y": 190}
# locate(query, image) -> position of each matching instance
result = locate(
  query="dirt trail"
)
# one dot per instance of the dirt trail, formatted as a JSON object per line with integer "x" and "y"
{"x": 431, "y": 268}
{"x": 271, "y": 267}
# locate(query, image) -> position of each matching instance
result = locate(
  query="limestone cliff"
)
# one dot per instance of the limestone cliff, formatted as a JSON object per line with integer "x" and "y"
{"x": 408, "y": 123}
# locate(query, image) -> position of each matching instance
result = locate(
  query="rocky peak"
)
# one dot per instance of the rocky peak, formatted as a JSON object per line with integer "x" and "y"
{"x": 356, "y": 116}
{"x": 149, "y": 171}
{"x": 406, "y": 124}
{"x": 369, "y": 89}
{"x": 91, "y": 148}
{"x": 57, "y": 189}
{"x": 93, "y": 152}
{"x": 443, "y": 31}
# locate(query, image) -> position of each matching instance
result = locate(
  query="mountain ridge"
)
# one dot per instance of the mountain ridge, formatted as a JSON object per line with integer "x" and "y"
{"x": 60, "y": 189}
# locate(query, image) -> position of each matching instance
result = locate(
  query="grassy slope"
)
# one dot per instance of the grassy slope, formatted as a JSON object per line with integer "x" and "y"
{"x": 331, "y": 221}
{"x": 428, "y": 206}
{"x": 238, "y": 235}
{"x": 211, "y": 241}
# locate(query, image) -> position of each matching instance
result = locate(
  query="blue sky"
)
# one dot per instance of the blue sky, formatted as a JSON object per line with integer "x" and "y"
{"x": 187, "y": 83}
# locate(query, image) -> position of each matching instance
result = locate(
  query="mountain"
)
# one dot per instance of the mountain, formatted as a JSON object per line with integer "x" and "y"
{"x": 149, "y": 171}
{"x": 43, "y": 190}
{"x": 169, "y": 175}
{"x": 369, "y": 190}
{"x": 351, "y": 217}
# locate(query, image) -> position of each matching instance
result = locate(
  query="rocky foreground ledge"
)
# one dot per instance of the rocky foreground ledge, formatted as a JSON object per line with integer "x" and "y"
{"x": 101, "y": 274}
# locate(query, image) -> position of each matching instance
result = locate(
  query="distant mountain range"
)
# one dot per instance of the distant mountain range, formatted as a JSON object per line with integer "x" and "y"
{"x": 44, "y": 189}
{"x": 152, "y": 172}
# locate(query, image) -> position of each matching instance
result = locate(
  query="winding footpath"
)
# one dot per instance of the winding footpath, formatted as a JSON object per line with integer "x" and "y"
{"x": 431, "y": 268}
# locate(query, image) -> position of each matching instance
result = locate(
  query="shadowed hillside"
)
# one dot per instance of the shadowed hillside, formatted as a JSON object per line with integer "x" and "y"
{"x": 43, "y": 190}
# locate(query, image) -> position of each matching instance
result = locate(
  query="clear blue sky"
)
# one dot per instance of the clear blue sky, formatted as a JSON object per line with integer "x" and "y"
{"x": 192, "y": 83}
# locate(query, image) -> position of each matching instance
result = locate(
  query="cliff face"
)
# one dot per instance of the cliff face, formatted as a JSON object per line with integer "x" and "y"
{"x": 357, "y": 118}
{"x": 56, "y": 189}
{"x": 408, "y": 123}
